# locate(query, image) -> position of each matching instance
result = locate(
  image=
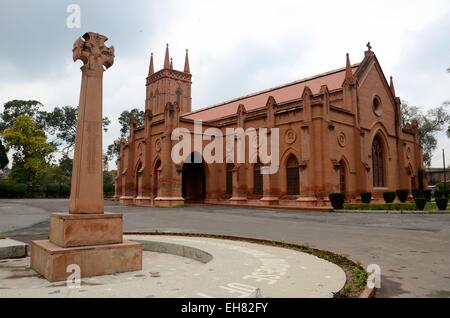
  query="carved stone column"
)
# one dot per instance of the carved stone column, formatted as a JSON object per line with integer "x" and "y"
{"x": 86, "y": 236}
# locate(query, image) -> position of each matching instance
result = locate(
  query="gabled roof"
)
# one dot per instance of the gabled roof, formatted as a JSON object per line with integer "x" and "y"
{"x": 283, "y": 93}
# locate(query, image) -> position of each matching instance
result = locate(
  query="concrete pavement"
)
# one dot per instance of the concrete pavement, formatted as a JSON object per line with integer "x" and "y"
{"x": 412, "y": 250}
{"x": 236, "y": 269}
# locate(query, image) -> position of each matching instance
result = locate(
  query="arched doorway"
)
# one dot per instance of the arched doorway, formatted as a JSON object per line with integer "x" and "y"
{"x": 292, "y": 176}
{"x": 193, "y": 180}
{"x": 257, "y": 179}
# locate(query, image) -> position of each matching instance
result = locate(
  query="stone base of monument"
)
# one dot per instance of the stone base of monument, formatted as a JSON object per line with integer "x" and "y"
{"x": 52, "y": 261}
{"x": 91, "y": 241}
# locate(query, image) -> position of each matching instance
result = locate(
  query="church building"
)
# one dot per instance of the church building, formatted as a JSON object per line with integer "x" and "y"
{"x": 339, "y": 131}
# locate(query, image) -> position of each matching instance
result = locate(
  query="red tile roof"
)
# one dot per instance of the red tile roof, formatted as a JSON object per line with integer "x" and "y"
{"x": 283, "y": 93}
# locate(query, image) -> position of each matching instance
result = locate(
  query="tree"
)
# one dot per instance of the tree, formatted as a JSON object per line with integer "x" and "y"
{"x": 113, "y": 150}
{"x": 430, "y": 123}
{"x": 32, "y": 152}
{"x": 16, "y": 108}
{"x": 3, "y": 156}
{"x": 62, "y": 122}
{"x": 124, "y": 120}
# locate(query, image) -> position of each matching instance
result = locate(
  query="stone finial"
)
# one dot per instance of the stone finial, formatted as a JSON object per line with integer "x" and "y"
{"x": 369, "y": 47}
{"x": 391, "y": 87}
{"x": 186, "y": 63}
{"x": 91, "y": 50}
{"x": 167, "y": 58}
{"x": 151, "y": 69}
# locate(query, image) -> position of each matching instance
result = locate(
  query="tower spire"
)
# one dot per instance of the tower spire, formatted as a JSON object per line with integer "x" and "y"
{"x": 186, "y": 63}
{"x": 171, "y": 63}
{"x": 166, "y": 58}
{"x": 349, "y": 78}
{"x": 391, "y": 86}
{"x": 348, "y": 67}
{"x": 150, "y": 68}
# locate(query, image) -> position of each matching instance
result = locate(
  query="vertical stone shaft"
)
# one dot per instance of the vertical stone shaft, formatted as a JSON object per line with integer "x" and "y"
{"x": 86, "y": 194}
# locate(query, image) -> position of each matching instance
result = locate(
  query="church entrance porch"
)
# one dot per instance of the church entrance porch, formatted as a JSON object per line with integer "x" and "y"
{"x": 193, "y": 181}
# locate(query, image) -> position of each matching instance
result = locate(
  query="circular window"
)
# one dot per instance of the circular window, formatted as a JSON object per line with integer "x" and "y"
{"x": 376, "y": 105}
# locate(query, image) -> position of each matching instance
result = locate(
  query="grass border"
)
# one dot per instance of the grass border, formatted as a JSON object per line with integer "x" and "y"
{"x": 356, "y": 275}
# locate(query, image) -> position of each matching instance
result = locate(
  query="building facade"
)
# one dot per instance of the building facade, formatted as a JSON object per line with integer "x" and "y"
{"x": 338, "y": 131}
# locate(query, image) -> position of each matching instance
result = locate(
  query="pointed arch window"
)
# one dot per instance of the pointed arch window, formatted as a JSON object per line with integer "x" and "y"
{"x": 178, "y": 93}
{"x": 292, "y": 176}
{"x": 342, "y": 177}
{"x": 257, "y": 179}
{"x": 156, "y": 102}
{"x": 377, "y": 162}
{"x": 229, "y": 189}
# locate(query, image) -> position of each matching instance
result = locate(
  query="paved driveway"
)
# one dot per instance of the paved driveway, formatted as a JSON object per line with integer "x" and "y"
{"x": 413, "y": 251}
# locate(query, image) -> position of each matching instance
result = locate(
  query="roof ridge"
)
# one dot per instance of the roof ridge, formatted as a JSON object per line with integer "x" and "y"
{"x": 272, "y": 89}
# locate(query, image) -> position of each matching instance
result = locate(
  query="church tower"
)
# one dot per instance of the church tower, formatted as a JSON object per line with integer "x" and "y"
{"x": 168, "y": 86}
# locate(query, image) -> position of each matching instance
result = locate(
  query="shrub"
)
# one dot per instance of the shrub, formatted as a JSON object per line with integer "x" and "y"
{"x": 65, "y": 190}
{"x": 381, "y": 206}
{"x": 366, "y": 197}
{"x": 389, "y": 197}
{"x": 438, "y": 194}
{"x": 427, "y": 194}
{"x": 4, "y": 188}
{"x": 442, "y": 203}
{"x": 18, "y": 190}
{"x": 52, "y": 190}
{"x": 420, "y": 203}
{"x": 416, "y": 193}
{"x": 337, "y": 200}
{"x": 402, "y": 195}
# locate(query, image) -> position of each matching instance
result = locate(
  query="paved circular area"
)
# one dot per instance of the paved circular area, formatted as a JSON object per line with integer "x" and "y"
{"x": 236, "y": 269}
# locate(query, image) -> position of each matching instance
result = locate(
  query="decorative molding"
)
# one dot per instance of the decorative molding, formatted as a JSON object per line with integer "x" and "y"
{"x": 290, "y": 136}
{"x": 342, "y": 139}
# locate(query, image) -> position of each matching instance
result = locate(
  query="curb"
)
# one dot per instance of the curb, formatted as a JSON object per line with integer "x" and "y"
{"x": 391, "y": 212}
{"x": 366, "y": 293}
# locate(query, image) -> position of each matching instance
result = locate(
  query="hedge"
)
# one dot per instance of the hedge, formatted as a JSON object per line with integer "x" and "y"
{"x": 380, "y": 206}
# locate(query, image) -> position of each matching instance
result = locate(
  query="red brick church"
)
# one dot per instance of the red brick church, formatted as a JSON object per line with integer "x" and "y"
{"x": 338, "y": 131}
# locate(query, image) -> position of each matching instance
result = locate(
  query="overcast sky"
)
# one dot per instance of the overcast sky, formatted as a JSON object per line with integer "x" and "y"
{"x": 235, "y": 47}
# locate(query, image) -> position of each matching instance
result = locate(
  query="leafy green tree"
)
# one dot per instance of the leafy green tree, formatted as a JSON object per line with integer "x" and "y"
{"x": 62, "y": 122}
{"x": 124, "y": 121}
{"x": 31, "y": 151}
{"x": 3, "y": 156}
{"x": 108, "y": 182}
{"x": 16, "y": 108}
{"x": 430, "y": 123}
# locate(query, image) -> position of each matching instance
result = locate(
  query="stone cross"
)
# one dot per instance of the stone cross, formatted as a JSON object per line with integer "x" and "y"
{"x": 86, "y": 195}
